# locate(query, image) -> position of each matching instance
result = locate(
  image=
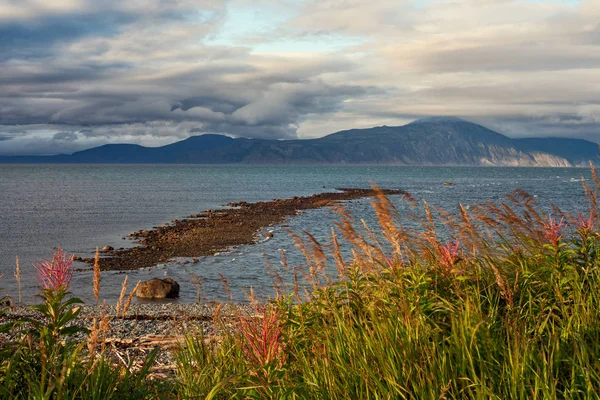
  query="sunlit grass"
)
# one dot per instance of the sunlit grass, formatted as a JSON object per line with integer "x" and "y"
{"x": 505, "y": 305}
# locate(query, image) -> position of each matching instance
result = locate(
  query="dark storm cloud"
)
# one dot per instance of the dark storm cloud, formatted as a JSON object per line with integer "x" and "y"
{"x": 34, "y": 39}
{"x": 77, "y": 73}
{"x": 122, "y": 74}
{"x": 55, "y": 74}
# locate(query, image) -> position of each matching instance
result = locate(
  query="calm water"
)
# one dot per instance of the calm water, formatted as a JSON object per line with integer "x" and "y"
{"x": 80, "y": 207}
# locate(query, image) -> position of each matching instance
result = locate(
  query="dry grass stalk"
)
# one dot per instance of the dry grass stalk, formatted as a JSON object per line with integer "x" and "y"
{"x": 505, "y": 290}
{"x": 308, "y": 256}
{"x": 283, "y": 261}
{"x": 318, "y": 253}
{"x": 197, "y": 283}
{"x": 97, "y": 276}
{"x": 252, "y": 297}
{"x": 468, "y": 233}
{"x": 98, "y": 331}
{"x": 374, "y": 250}
{"x": 387, "y": 215}
{"x": 121, "y": 296}
{"x": 276, "y": 279}
{"x": 429, "y": 225}
{"x": 592, "y": 199}
{"x": 362, "y": 250}
{"x": 296, "y": 286}
{"x": 346, "y": 225}
{"x": 340, "y": 265}
{"x": 130, "y": 299}
{"x": 217, "y": 315}
{"x": 18, "y": 277}
{"x": 226, "y": 286}
{"x": 595, "y": 175}
{"x": 93, "y": 338}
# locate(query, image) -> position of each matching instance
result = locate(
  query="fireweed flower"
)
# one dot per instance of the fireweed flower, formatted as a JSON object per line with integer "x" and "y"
{"x": 585, "y": 224}
{"x": 262, "y": 340}
{"x": 55, "y": 274}
{"x": 448, "y": 255}
{"x": 553, "y": 230}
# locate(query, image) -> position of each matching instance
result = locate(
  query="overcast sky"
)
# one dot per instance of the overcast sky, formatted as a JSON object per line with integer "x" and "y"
{"x": 79, "y": 73}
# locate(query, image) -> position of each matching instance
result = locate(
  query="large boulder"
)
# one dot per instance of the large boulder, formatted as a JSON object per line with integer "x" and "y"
{"x": 158, "y": 289}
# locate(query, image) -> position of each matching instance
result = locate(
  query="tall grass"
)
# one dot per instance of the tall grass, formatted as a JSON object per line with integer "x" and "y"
{"x": 505, "y": 305}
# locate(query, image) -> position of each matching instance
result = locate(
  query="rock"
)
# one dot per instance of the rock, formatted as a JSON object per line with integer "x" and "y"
{"x": 158, "y": 289}
{"x": 448, "y": 184}
{"x": 108, "y": 248}
{"x": 268, "y": 235}
{"x": 195, "y": 260}
{"x": 77, "y": 258}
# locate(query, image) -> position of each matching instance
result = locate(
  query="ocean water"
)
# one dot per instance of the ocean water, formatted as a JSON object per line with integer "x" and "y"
{"x": 80, "y": 207}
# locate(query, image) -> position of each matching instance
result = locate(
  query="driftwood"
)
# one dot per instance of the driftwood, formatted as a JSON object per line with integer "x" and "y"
{"x": 149, "y": 341}
{"x": 164, "y": 342}
{"x": 125, "y": 350}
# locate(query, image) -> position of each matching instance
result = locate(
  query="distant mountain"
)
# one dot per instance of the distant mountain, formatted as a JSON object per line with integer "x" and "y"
{"x": 428, "y": 141}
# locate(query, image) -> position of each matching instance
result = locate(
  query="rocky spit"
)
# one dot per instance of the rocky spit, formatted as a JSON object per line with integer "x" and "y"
{"x": 130, "y": 339}
{"x": 213, "y": 231}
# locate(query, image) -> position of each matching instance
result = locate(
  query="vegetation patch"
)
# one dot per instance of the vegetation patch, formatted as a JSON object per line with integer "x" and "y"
{"x": 506, "y": 307}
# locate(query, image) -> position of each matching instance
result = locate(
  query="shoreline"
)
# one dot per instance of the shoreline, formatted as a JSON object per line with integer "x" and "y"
{"x": 213, "y": 231}
{"x": 145, "y": 327}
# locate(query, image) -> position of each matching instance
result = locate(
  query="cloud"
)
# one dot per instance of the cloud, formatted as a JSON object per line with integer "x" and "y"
{"x": 34, "y": 40}
{"x": 78, "y": 73}
{"x": 65, "y": 136}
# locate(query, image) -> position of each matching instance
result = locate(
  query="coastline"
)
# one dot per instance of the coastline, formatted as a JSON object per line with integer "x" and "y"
{"x": 213, "y": 231}
{"x": 145, "y": 327}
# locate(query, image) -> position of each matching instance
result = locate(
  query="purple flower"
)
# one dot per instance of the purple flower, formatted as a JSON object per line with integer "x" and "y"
{"x": 448, "y": 255}
{"x": 585, "y": 224}
{"x": 262, "y": 340}
{"x": 55, "y": 274}
{"x": 553, "y": 230}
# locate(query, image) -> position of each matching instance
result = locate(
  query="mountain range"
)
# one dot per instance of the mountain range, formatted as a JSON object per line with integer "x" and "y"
{"x": 428, "y": 141}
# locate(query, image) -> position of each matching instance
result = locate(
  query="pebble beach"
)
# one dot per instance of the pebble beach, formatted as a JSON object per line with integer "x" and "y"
{"x": 144, "y": 327}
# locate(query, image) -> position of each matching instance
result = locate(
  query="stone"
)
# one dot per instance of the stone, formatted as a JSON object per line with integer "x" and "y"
{"x": 448, "y": 184}
{"x": 108, "y": 248}
{"x": 268, "y": 235}
{"x": 158, "y": 289}
{"x": 195, "y": 260}
{"x": 77, "y": 258}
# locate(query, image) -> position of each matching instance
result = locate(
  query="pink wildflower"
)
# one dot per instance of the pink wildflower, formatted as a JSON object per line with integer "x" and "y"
{"x": 262, "y": 340}
{"x": 585, "y": 224}
{"x": 553, "y": 230}
{"x": 448, "y": 255}
{"x": 55, "y": 274}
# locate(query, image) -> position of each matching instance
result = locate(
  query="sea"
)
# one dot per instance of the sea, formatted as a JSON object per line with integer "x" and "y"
{"x": 81, "y": 207}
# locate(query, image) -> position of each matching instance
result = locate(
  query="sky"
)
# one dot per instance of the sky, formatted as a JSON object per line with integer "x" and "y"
{"x": 75, "y": 74}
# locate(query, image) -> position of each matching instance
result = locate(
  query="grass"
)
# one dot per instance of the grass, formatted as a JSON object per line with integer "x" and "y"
{"x": 507, "y": 308}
